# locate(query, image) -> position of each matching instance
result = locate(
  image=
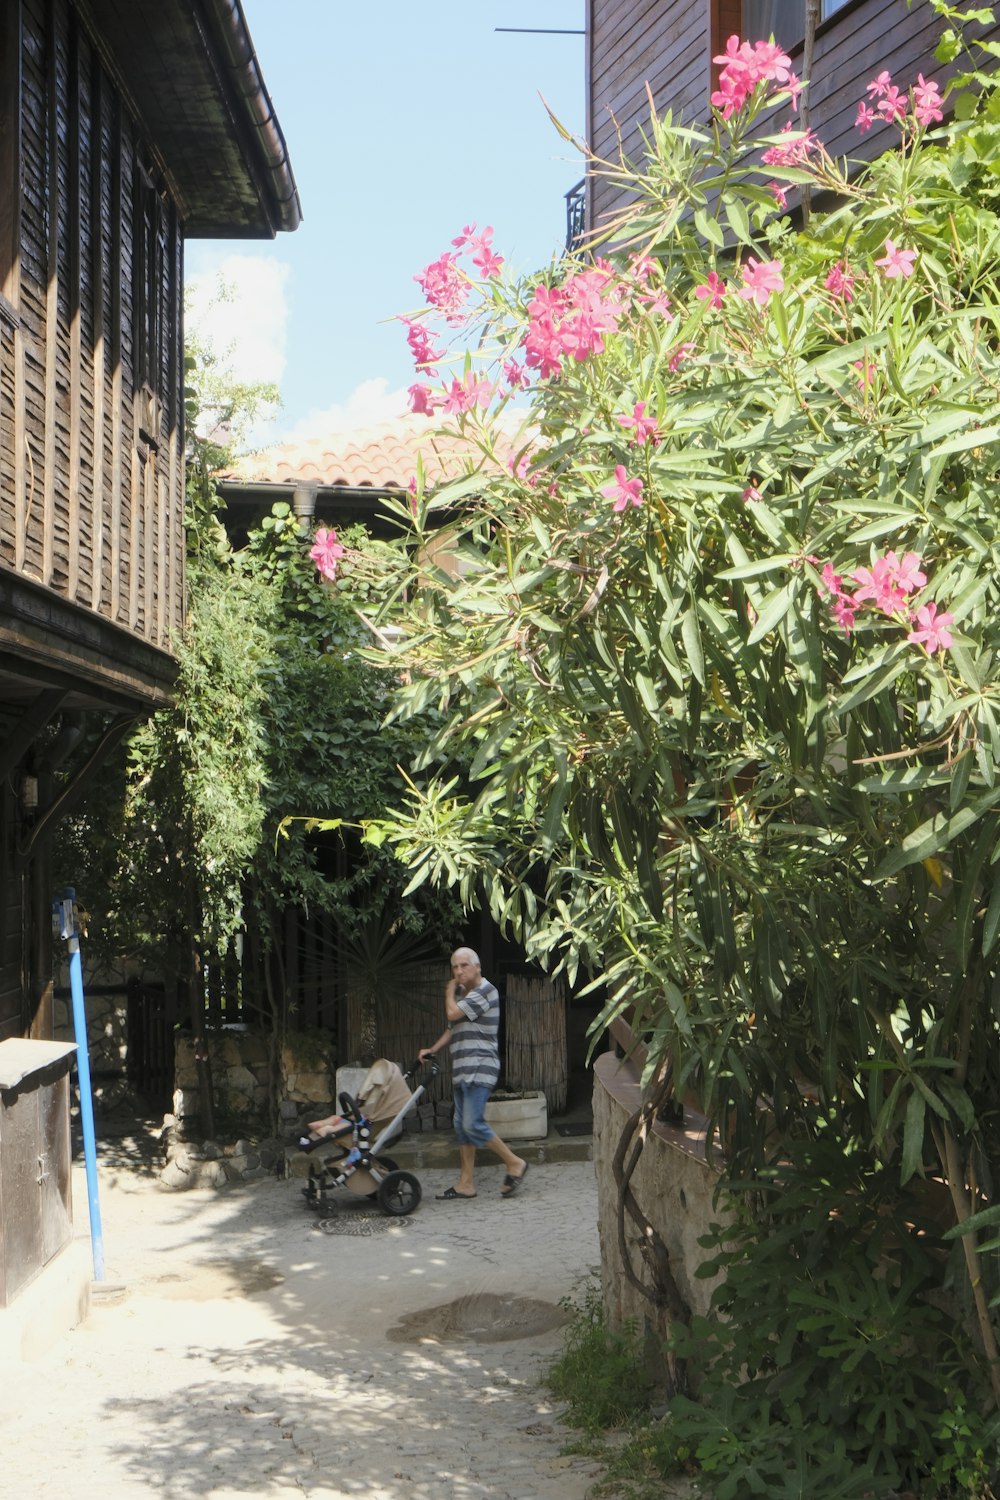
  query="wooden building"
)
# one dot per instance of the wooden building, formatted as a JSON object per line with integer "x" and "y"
{"x": 125, "y": 127}
{"x": 669, "y": 44}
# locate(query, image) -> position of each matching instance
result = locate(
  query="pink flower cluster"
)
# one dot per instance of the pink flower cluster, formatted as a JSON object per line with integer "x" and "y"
{"x": 840, "y": 281}
{"x": 792, "y": 153}
{"x": 887, "y": 586}
{"x": 326, "y": 552}
{"x": 480, "y": 247}
{"x": 420, "y": 340}
{"x": 570, "y": 321}
{"x": 743, "y": 66}
{"x": 894, "y": 107}
{"x": 445, "y": 286}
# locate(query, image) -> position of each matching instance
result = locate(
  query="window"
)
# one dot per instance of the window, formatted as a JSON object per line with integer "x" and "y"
{"x": 785, "y": 20}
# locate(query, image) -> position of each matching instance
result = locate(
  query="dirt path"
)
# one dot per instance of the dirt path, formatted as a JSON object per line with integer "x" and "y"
{"x": 256, "y": 1355}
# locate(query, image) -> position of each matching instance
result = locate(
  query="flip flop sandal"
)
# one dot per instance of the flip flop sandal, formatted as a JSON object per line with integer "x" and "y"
{"x": 450, "y": 1196}
{"x": 511, "y": 1184}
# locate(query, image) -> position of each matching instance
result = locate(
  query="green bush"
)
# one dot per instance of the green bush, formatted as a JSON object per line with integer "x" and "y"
{"x": 835, "y": 1362}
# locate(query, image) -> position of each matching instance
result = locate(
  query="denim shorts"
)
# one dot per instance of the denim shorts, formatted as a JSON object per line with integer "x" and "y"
{"x": 470, "y": 1101}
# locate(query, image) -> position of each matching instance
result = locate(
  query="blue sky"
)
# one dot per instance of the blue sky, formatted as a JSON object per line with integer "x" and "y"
{"x": 403, "y": 123}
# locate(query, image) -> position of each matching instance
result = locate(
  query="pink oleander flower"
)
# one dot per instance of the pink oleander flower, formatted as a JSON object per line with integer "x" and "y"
{"x": 519, "y": 469}
{"x": 326, "y": 552}
{"x": 484, "y": 256}
{"x": 780, "y": 197}
{"x": 843, "y": 612}
{"x": 464, "y": 237}
{"x": 842, "y": 606}
{"x": 840, "y": 281}
{"x": 711, "y": 291}
{"x": 927, "y": 101}
{"x": 473, "y": 390}
{"x": 644, "y": 429}
{"x": 516, "y": 375}
{"x": 907, "y": 570}
{"x": 419, "y": 339}
{"x": 751, "y": 493}
{"x": 623, "y": 491}
{"x": 423, "y": 399}
{"x": 678, "y": 357}
{"x": 932, "y": 629}
{"x": 878, "y": 85}
{"x": 744, "y": 66}
{"x": 893, "y": 104}
{"x": 411, "y": 486}
{"x": 444, "y": 286}
{"x": 793, "y": 152}
{"x": 865, "y": 117}
{"x": 571, "y": 320}
{"x": 760, "y": 279}
{"x": 896, "y": 262}
{"x": 658, "y": 303}
{"x": 643, "y": 266}
{"x": 867, "y": 369}
{"x": 888, "y": 582}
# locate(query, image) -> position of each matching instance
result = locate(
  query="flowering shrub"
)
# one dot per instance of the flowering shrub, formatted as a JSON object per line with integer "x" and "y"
{"x": 723, "y": 654}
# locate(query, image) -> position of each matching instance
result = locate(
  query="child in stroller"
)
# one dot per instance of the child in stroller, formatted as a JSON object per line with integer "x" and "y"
{"x": 346, "y": 1154}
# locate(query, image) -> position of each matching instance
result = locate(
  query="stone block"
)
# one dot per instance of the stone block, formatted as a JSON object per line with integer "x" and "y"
{"x": 522, "y": 1119}
{"x": 185, "y": 1102}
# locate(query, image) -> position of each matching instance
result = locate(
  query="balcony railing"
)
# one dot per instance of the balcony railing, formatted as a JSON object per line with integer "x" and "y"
{"x": 576, "y": 216}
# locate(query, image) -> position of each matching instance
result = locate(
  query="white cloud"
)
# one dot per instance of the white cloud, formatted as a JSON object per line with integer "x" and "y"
{"x": 239, "y": 308}
{"x": 368, "y": 404}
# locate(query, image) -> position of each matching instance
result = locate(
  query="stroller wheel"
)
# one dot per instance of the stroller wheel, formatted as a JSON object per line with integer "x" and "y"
{"x": 399, "y": 1193}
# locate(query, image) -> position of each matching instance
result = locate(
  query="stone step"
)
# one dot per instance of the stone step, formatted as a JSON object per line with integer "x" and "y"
{"x": 436, "y": 1149}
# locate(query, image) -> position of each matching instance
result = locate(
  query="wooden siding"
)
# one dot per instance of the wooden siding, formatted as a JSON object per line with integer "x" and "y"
{"x": 670, "y": 43}
{"x": 91, "y": 462}
{"x": 631, "y": 43}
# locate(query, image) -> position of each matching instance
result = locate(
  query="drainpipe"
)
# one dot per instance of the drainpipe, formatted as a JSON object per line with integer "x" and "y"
{"x": 304, "y": 505}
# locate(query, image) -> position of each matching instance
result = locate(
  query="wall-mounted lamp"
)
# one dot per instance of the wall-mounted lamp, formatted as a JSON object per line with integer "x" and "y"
{"x": 29, "y": 793}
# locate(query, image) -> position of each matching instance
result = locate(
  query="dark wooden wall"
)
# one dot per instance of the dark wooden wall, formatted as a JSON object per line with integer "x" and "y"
{"x": 670, "y": 44}
{"x": 11, "y": 922}
{"x": 91, "y": 463}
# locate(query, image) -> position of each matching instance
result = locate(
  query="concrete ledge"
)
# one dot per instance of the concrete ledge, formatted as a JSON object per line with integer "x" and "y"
{"x": 44, "y": 1311}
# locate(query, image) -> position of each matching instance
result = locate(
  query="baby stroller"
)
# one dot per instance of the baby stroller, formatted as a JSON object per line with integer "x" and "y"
{"x": 352, "y": 1157}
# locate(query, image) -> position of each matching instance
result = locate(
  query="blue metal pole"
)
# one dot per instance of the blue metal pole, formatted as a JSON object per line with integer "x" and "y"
{"x": 68, "y": 925}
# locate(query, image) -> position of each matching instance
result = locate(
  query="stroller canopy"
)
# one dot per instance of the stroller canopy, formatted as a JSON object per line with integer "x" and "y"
{"x": 384, "y": 1091}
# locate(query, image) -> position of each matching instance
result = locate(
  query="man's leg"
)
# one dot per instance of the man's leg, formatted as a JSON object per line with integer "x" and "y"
{"x": 516, "y": 1165}
{"x": 467, "y": 1162}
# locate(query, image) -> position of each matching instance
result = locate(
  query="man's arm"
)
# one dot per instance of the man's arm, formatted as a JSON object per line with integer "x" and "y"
{"x": 443, "y": 1041}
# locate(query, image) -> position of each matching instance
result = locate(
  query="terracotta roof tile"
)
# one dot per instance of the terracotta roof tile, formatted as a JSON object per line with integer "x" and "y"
{"x": 382, "y": 457}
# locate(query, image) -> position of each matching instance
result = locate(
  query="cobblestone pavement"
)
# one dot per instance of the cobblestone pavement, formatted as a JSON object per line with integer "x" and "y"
{"x": 255, "y": 1354}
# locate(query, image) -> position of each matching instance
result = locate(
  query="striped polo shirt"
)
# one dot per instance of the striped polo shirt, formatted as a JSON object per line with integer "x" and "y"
{"x": 475, "y": 1056}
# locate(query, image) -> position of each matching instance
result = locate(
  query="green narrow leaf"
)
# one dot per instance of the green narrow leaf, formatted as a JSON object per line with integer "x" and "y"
{"x": 913, "y": 1136}
{"x": 691, "y": 636}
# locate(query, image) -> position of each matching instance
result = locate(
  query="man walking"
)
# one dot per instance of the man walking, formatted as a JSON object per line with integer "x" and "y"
{"x": 472, "y": 1014}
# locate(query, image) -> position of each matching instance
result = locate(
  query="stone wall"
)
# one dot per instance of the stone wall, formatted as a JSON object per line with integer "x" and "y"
{"x": 674, "y": 1185}
{"x": 240, "y": 1065}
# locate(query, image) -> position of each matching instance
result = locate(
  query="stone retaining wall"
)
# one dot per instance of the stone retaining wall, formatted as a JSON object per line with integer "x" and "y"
{"x": 240, "y": 1064}
{"x": 674, "y": 1185}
